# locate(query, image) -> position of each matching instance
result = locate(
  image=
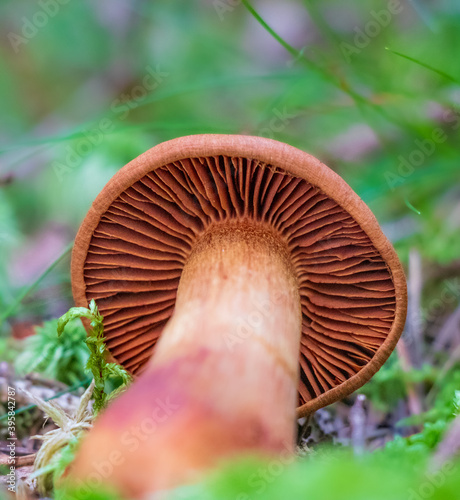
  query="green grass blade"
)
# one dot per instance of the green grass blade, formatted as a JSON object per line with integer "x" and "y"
{"x": 12, "y": 308}
{"x": 272, "y": 32}
{"x": 424, "y": 65}
{"x": 330, "y": 77}
{"x": 157, "y": 96}
{"x": 409, "y": 205}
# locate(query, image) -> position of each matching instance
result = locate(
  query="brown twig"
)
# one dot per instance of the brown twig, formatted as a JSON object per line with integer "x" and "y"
{"x": 415, "y": 403}
{"x": 454, "y": 358}
{"x": 449, "y": 447}
{"x": 449, "y": 331}
{"x": 358, "y": 420}
{"x": 408, "y": 347}
{"x": 414, "y": 331}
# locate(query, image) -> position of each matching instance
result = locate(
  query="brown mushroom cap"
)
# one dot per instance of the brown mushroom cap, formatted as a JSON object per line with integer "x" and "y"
{"x": 132, "y": 246}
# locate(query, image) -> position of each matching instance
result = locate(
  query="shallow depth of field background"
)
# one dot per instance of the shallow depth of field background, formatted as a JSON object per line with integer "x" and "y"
{"x": 370, "y": 88}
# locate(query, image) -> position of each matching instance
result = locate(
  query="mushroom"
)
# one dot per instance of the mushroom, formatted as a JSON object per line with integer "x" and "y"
{"x": 239, "y": 277}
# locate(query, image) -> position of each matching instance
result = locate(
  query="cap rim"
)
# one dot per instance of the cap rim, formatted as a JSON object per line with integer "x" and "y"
{"x": 289, "y": 159}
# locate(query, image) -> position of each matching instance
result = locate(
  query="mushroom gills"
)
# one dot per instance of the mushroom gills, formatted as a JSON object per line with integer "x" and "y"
{"x": 140, "y": 246}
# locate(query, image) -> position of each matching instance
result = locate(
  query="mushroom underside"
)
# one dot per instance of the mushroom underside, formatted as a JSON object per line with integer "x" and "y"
{"x": 143, "y": 240}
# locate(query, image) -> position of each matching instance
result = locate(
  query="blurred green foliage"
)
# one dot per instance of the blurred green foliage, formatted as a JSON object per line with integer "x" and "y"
{"x": 98, "y": 84}
{"x": 375, "y": 95}
{"x": 60, "y": 358}
{"x": 340, "y": 476}
{"x": 391, "y": 474}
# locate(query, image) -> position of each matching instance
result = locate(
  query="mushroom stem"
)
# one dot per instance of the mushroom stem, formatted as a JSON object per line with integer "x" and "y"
{"x": 238, "y": 310}
{"x": 224, "y": 376}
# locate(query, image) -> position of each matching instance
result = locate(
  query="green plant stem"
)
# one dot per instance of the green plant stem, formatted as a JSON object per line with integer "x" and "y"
{"x": 424, "y": 65}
